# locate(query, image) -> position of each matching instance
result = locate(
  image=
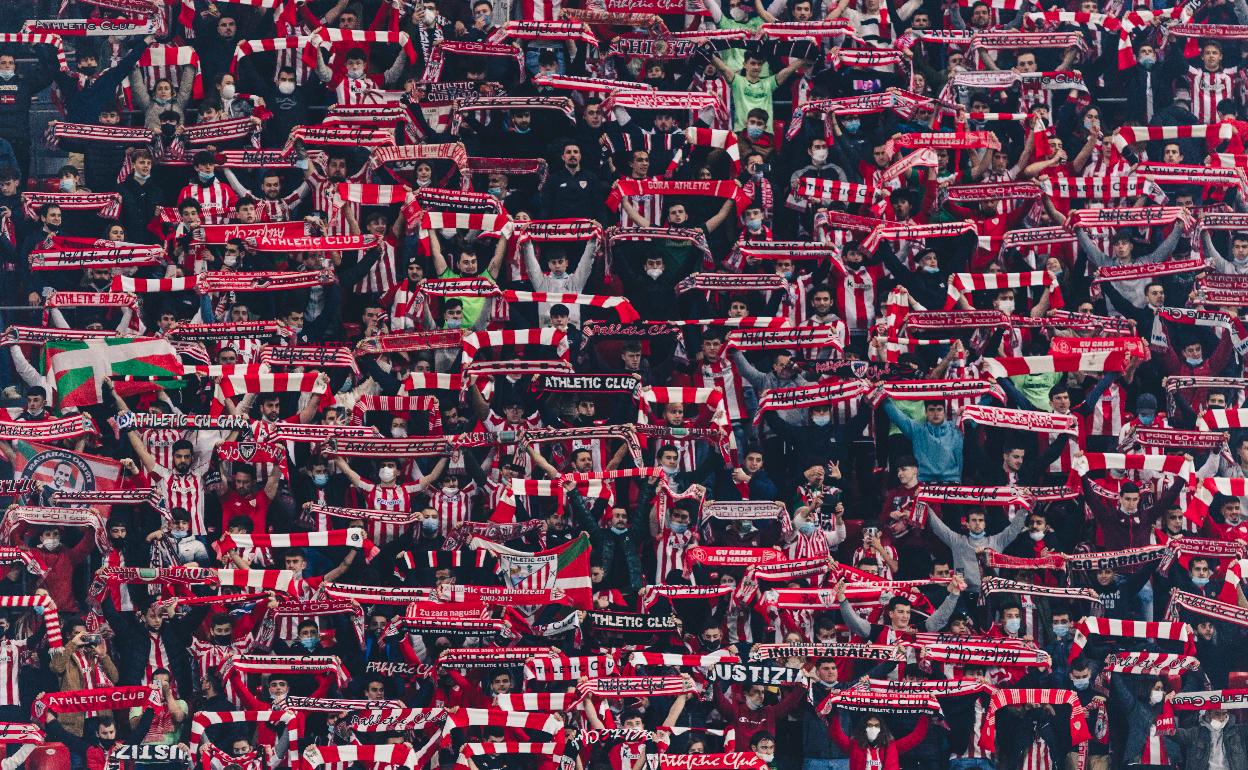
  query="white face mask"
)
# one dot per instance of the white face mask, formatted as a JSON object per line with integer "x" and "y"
{"x": 766, "y": 757}
{"x": 398, "y": 432}
{"x": 1155, "y": 697}
{"x": 1012, "y": 625}
{"x": 1037, "y": 536}
{"x": 1217, "y": 724}
{"x": 227, "y": 91}
{"x": 430, "y": 17}
{"x": 873, "y": 733}
{"x": 286, "y": 87}
{"x": 355, "y": 73}
{"x": 386, "y": 474}
{"x": 654, "y": 272}
{"x": 819, "y": 157}
{"x": 1006, "y": 306}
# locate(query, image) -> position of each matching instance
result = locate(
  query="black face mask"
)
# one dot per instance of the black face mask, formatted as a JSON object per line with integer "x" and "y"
{"x": 222, "y": 639}
{"x": 167, "y": 132}
{"x": 88, "y": 69}
{"x": 117, "y": 542}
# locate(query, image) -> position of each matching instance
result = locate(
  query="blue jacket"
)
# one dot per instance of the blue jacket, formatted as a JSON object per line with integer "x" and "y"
{"x": 938, "y": 448}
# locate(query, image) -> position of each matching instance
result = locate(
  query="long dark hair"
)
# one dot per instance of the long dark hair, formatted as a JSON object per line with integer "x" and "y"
{"x": 860, "y": 732}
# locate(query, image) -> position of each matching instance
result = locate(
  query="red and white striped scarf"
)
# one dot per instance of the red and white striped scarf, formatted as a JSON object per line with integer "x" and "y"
{"x": 1035, "y": 696}
{"x": 1096, "y": 461}
{"x": 831, "y": 190}
{"x": 1181, "y": 601}
{"x": 632, "y": 686}
{"x": 1127, "y": 135}
{"x": 51, "y": 619}
{"x": 351, "y": 538}
{"x": 1152, "y": 663}
{"x": 562, "y": 668}
{"x": 730, "y": 189}
{"x": 108, "y": 205}
{"x": 1134, "y": 629}
{"x": 961, "y": 283}
{"x": 1101, "y": 188}
{"x": 1108, "y": 361}
{"x": 476, "y": 717}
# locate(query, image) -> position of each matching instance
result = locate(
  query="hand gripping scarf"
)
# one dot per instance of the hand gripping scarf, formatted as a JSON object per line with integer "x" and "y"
{"x": 862, "y": 698}
{"x": 962, "y": 283}
{"x": 49, "y": 705}
{"x": 806, "y": 396}
{"x": 995, "y": 585}
{"x": 1152, "y": 663}
{"x": 1096, "y": 461}
{"x": 1181, "y": 601}
{"x": 985, "y": 655}
{"x": 632, "y": 686}
{"x": 288, "y": 664}
{"x": 51, "y": 620}
{"x": 1034, "y": 696}
{"x": 1136, "y": 629}
{"x": 877, "y": 652}
{"x": 730, "y": 189}
{"x": 107, "y": 205}
{"x": 1020, "y": 419}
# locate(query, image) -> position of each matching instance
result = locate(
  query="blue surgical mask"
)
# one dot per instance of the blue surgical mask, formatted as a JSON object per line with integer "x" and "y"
{"x": 68, "y": 185}
{"x": 931, "y": 269}
{"x": 1012, "y": 625}
{"x": 454, "y": 323}
{"x": 807, "y": 528}
{"x": 678, "y": 528}
{"x": 619, "y": 530}
{"x": 1147, "y": 419}
{"x": 853, "y": 125}
{"x": 7, "y": 74}
{"x": 520, "y": 130}
{"x": 1193, "y": 361}
{"x": 320, "y": 479}
{"x": 754, "y": 132}
{"x": 38, "y": 609}
{"x": 821, "y": 420}
{"x": 1200, "y": 582}
{"x": 206, "y": 177}
{"x": 1147, "y": 61}
{"x": 497, "y": 192}
{"x": 1081, "y": 683}
{"x": 1061, "y": 629}
{"x": 754, "y": 225}
{"x": 179, "y": 534}
{"x": 310, "y": 643}
{"x": 429, "y": 526}
{"x": 978, "y": 535}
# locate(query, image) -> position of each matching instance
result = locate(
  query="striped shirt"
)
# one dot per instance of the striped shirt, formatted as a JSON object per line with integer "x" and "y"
{"x": 11, "y": 651}
{"x": 215, "y": 194}
{"x": 1209, "y": 88}
{"x": 183, "y": 491}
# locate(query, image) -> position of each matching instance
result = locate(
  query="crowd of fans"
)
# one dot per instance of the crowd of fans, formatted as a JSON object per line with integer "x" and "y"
{"x": 793, "y": 386}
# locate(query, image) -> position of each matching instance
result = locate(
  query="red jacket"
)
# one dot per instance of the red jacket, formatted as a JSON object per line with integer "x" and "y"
{"x": 890, "y": 754}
